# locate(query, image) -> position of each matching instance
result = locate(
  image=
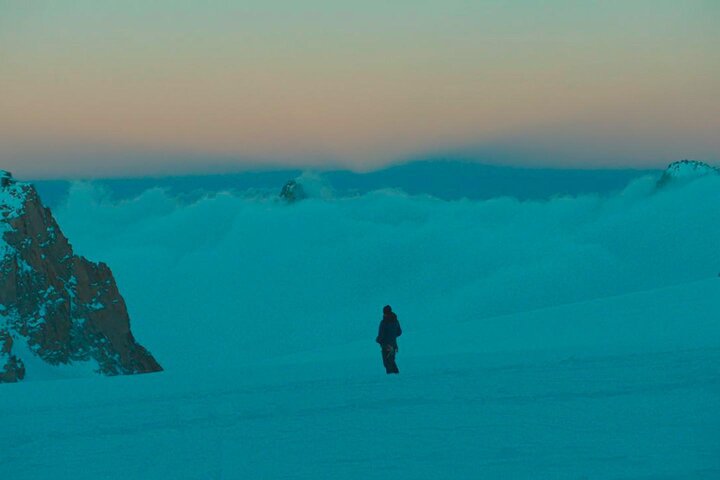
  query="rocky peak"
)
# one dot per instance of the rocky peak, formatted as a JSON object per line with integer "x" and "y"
{"x": 61, "y": 307}
{"x": 684, "y": 170}
{"x": 292, "y": 192}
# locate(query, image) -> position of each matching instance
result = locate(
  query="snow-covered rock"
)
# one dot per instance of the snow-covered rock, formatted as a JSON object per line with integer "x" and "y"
{"x": 308, "y": 185}
{"x": 685, "y": 170}
{"x": 55, "y": 305}
{"x": 292, "y": 192}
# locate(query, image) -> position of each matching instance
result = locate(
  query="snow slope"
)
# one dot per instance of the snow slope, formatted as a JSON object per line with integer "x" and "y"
{"x": 641, "y": 410}
{"x": 666, "y": 319}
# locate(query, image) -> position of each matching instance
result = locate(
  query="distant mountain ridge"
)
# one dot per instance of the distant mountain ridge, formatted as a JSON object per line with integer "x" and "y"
{"x": 56, "y": 306}
{"x": 447, "y": 180}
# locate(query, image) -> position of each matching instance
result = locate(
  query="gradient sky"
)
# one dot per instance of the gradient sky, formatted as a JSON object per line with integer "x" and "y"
{"x": 97, "y": 87}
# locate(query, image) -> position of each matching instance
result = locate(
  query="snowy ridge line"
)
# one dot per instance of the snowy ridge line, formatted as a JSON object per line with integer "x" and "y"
{"x": 595, "y": 299}
{"x": 670, "y": 318}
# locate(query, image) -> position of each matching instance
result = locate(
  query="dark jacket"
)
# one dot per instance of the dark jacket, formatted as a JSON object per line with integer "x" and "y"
{"x": 389, "y": 330}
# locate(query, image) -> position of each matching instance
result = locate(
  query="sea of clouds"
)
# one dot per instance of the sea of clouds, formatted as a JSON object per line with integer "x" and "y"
{"x": 232, "y": 279}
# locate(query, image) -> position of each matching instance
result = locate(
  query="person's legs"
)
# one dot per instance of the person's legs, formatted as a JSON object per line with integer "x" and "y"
{"x": 393, "y": 365}
{"x": 386, "y": 359}
{"x": 389, "y": 359}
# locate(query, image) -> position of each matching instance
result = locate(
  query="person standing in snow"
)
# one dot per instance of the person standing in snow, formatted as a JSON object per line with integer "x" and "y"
{"x": 387, "y": 338}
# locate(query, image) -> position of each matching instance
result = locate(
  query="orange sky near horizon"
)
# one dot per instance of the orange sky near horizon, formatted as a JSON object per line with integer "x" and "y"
{"x": 103, "y": 87}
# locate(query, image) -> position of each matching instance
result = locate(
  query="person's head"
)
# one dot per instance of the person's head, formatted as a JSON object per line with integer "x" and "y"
{"x": 387, "y": 309}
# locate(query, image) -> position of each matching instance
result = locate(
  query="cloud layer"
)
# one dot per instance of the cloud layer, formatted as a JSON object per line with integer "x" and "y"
{"x": 231, "y": 279}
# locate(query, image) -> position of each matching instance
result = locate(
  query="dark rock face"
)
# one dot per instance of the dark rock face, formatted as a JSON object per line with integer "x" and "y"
{"x": 12, "y": 368}
{"x": 66, "y": 308}
{"x": 292, "y": 192}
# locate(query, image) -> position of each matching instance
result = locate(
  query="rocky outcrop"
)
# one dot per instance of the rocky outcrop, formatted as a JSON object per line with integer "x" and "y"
{"x": 12, "y": 369}
{"x": 292, "y": 192}
{"x": 64, "y": 307}
{"x": 685, "y": 170}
